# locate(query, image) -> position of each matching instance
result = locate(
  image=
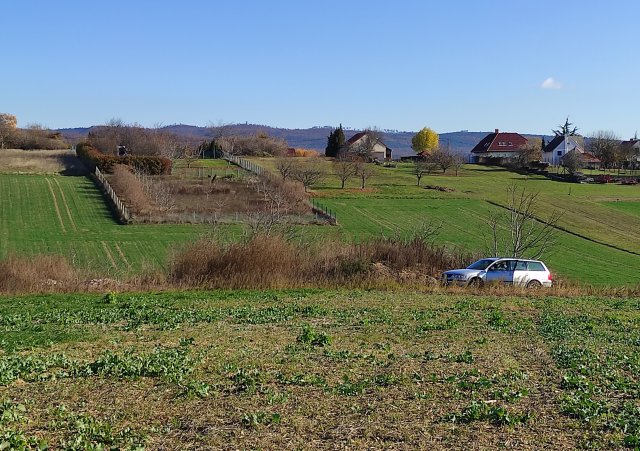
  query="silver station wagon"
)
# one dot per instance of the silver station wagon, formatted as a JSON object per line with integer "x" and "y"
{"x": 513, "y": 271}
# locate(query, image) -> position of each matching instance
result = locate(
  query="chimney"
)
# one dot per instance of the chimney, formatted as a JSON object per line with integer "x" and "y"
{"x": 497, "y": 131}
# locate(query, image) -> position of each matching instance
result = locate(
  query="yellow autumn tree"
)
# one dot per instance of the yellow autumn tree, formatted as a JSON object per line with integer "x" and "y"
{"x": 425, "y": 141}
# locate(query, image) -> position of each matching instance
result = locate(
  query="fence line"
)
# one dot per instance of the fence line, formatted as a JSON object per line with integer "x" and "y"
{"x": 250, "y": 166}
{"x": 121, "y": 209}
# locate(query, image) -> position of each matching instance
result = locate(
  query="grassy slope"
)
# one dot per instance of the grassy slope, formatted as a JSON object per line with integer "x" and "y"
{"x": 373, "y": 370}
{"x": 68, "y": 216}
{"x": 393, "y": 203}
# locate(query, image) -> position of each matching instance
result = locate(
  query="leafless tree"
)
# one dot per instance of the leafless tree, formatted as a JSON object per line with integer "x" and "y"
{"x": 364, "y": 171}
{"x": 189, "y": 154}
{"x": 308, "y": 174}
{"x": 458, "y": 161}
{"x": 443, "y": 158}
{"x": 605, "y": 145}
{"x": 529, "y": 152}
{"x": 572, "y": 162}
{"x": 422, "y": 167}
{"x": 274, "y": 211}
{"x": 526, "y": 234}
{"x": 344, "y": 168}
{"x": 8, "y": 125}
{"x": 285, "y": 166}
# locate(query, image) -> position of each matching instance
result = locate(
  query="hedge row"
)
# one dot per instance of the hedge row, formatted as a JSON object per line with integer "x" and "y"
{"x": 93, "y": 158}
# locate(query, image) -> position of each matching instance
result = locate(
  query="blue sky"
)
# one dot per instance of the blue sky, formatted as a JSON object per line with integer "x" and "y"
{"x": 477, "y": 65}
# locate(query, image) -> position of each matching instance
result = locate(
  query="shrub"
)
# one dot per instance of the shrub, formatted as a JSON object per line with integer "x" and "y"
{"x": 36, "y": 274}
{"x": 272, "y": 261}
{"x": 150, "y": 165}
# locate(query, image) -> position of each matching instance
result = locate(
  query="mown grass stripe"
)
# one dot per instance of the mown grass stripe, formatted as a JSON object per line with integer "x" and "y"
{"x": 55, "y": 204}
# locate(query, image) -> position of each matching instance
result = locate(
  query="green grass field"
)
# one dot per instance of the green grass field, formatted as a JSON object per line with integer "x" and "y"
{"x": 52, "y": 214}
{"x": 318, "y": 370}
{"x": 68, "y": 216}
{"x": 606, "y": 214}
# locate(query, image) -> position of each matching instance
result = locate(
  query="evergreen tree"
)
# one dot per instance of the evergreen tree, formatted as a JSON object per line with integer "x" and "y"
{"x": 335, "y": 142}
{"x": 543, "y": 144}
{"x": 566, "y": 130}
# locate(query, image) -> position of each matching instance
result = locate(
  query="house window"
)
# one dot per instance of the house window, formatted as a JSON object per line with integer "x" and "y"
{"x": 559, "y": 153}
{"x": 510, "y": 143}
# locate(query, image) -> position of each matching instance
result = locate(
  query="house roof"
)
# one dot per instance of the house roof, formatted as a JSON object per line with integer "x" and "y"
{"x": 358, "y": 136}
{"x": 629, "y": 144}
{"x": 585, "y": 157}
{"x": 355, "y": 138}
{"x": 500, "y": 142}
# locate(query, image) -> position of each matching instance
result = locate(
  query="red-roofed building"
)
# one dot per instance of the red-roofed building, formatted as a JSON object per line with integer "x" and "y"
{"x": 497, "y": 146}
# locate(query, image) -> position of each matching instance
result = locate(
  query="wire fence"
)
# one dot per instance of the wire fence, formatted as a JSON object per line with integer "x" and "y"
{"x": 120, "y": 207}
{"x": 317, "y": 208}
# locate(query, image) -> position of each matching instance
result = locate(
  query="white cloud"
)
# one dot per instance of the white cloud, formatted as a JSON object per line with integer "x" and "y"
{"x": 551, "y": 83}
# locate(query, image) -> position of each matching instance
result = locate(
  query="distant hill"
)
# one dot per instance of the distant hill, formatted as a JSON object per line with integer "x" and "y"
{"x": 310, "y": 138}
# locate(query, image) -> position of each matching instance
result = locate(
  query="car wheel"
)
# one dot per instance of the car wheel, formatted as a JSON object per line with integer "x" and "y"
{"x": 534, "y": 285}
{"x": 476, "y": 282}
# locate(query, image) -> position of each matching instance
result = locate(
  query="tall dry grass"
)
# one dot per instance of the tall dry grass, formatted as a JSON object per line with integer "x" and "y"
{"x": 272, "y": 261}
{"x": 39, "y": 161}
{"x": 37, "y": 274}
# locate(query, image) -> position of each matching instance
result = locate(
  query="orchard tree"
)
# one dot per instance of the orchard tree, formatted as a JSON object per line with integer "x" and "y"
{"x": 364, "y": 171}
{"x": 442, "y": 158}
{"x": 344, "y": 168}
{"x": 308, "y": 173}
{"x": 426, "y": 140}
{"x": 421, "y": 168}
{"x": 335, "y": 142}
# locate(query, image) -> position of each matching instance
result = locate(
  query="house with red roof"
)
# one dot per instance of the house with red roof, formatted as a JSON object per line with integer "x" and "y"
{"x": 497, "y": 147}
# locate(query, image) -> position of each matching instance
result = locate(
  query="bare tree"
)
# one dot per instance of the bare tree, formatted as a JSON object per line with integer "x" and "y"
{"x": 526, "y": 234}
{"x": 364, "y": 171}
{"x": 421, "y": 167}
{"x": 308, "y": 174}
{"x": 443, "y": 158}
{"x": 285, "y": 166}
{"x": 458, "y": 161}
{"x": 274, "y": 211}
{"x": 189, "y": 154}
{"x": 605, "y": 145}
{"x": 529, "y": 152}
{"x": 344, "y": 168}
{"x": 571, "y": 161}
{"x": 8, "y": 126}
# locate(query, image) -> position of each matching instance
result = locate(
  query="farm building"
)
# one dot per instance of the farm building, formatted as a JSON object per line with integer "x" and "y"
{"x": 497, "y": 147}
{"x": 380, "y": 151}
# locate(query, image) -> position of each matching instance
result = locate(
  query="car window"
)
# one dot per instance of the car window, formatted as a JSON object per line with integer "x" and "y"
{"x": 503, "y": 265}
{"x": 535, "y": 266}
{"x": 480, "y": 264}
{"x": 521, "y": 266}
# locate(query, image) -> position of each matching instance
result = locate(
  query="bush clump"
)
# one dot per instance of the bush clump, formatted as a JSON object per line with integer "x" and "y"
{"x": 150, "y": 165}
